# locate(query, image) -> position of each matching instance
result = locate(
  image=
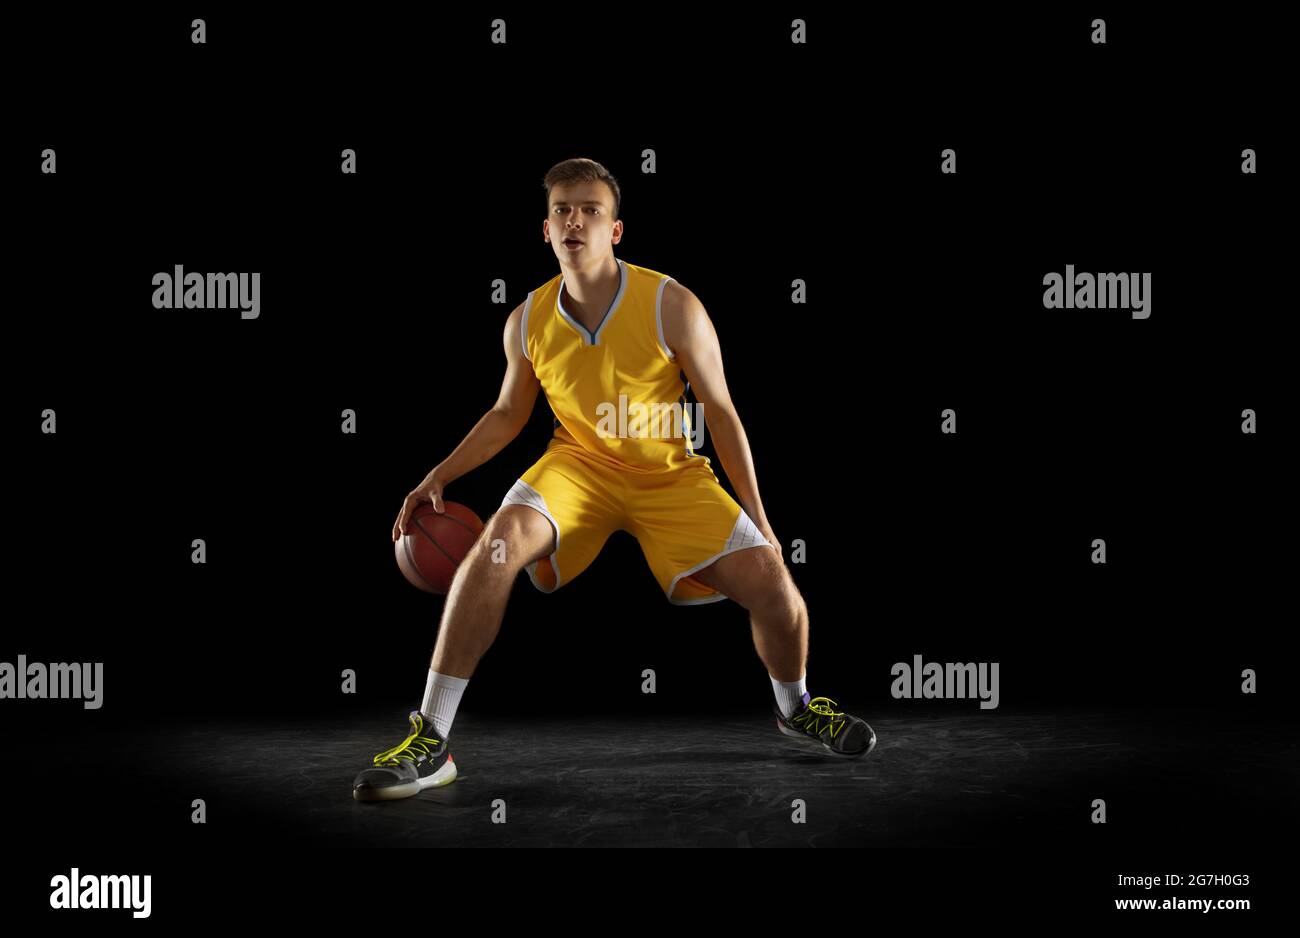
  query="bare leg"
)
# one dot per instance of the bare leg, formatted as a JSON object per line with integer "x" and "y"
{"x": 781, "y": 639}
{"x": 778, "y": 617}
{"x": 476, "y": 603}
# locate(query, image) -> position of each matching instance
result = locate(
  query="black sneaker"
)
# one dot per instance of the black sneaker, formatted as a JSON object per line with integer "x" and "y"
{"x": 421, "y": 761}
{"x": 815, "y": 723}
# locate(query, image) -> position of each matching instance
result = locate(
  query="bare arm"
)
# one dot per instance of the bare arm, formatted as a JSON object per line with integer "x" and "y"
{"x": 507, "y": 417}
{"x": 493, "y": 431}
{"x": 690, "y": 335}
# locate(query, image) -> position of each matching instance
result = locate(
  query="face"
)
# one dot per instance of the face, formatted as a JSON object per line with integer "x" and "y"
{"x": 581, "y": 211}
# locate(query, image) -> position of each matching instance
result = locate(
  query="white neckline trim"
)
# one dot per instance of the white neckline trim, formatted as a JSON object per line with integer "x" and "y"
{"x": 593, "y": 338}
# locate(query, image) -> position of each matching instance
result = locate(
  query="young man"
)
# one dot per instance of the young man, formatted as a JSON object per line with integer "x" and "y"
{"x": 611, "y": 344}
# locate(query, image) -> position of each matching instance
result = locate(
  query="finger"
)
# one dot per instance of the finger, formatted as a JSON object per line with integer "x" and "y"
{"x": 437, "y": 503}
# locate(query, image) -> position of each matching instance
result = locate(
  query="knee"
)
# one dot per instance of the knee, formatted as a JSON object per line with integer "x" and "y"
{"x": 502, "y": 543}
{"x": 778, "y": 599}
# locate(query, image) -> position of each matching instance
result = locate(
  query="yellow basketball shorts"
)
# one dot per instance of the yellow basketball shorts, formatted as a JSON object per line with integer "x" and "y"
{"x": 682, "y": 518}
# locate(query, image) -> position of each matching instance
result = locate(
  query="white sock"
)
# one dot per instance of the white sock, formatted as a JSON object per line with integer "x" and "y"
{"x": 789, "y": 696}
{"x": 441, "y": 698}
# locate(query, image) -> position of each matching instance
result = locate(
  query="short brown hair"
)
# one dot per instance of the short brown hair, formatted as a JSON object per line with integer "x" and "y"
{"x": 581, "y": 170}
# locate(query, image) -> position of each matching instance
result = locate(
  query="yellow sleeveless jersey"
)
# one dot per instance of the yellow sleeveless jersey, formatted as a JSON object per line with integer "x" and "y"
{"x": 616, "y": 392}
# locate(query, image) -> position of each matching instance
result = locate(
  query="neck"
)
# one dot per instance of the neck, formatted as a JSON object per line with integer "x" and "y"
{"x": 585, "y": 285}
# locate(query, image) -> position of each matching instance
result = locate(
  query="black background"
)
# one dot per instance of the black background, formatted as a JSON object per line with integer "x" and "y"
{"x": 774, "y": 162}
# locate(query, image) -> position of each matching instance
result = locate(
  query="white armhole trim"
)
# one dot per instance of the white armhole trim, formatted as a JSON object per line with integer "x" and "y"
{"x": 523, "y": 326}
{"x": 659, "y": 317}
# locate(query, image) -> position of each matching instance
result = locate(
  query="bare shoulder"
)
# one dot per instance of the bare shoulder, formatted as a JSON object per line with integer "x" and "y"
{"x": 512, "y": 334}
{"x": 517, "y": 313}
{"x": 682, "y": 315}
{"x": 679, "y": 305}
{"x": 680, "y": 297}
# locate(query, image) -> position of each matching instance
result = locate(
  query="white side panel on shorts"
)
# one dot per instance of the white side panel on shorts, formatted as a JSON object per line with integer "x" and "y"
{"x": 744, "y": 534}
{"x": 521, "y": 493}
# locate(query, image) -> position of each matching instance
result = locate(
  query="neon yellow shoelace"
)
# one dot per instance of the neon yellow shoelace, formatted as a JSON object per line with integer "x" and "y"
{"x": 811, "y": 718}
{"x": 407, "y": 749}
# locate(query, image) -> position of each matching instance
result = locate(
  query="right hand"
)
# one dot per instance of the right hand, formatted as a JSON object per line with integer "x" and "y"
{"x": 430, "y": 490}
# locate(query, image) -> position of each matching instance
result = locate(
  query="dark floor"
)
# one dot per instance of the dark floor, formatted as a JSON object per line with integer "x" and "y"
{"x": 956, "y": 778}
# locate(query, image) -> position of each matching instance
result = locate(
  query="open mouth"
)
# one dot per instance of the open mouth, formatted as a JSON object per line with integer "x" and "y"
{"x": 572, "y": 243}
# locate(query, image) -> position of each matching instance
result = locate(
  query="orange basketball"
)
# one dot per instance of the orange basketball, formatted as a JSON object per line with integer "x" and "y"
{"x": 435, "y": 543}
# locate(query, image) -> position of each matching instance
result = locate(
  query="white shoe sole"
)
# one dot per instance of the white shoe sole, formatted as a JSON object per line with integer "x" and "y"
{"x": 810, "y": 743}
{"x": 444, "y": 776}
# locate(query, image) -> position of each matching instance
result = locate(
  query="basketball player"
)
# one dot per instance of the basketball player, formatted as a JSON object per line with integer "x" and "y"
{"x": 600, "y": 329}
